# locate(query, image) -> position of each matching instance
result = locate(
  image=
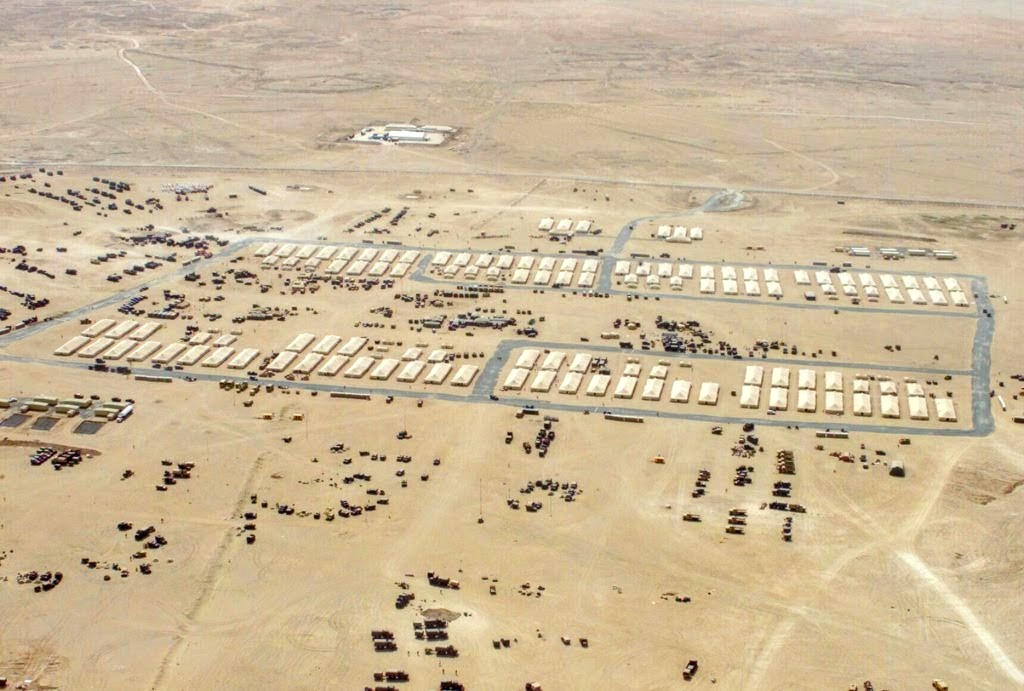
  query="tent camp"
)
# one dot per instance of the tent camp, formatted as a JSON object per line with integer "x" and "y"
{"x": 708, "y": 393}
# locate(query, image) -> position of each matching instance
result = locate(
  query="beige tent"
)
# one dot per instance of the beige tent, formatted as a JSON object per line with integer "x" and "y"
{"x": 918, "y": 408}
{"x": 708, "y": 393}
{"x": 625, "y": 387}
{"x": 834, "y": 402}
{"x": 680, "y": 391}
{"x": 598, "y": 385}
{"x": 753, "y": 375}
{"x": 570, "y": 383}
{"x": 780, "y": 377}
{"x": 543, "y": 381}
{"x": 807, "y": 379}
{"x": 944, "y": 410}
{"x": 528, "y": 358}
{"x": 807, "y": 401}
{"x": 439, "y": 372}
{"x": 890, "y": 406}
{"x": 515, "y": 379}
{"x": 862, "y": 404}
{"x": 750, "y": 396}
{"x": 778, "y": 399}
{"x": 652, "y": 389}
{"x": 409, "y": 372}
{"x": 833, "y": 381}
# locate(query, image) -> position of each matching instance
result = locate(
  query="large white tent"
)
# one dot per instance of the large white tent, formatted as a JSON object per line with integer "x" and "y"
{"x": 708, "y": 393}
{"x": 680, "y": 391}
{"x": 750, "y": 396}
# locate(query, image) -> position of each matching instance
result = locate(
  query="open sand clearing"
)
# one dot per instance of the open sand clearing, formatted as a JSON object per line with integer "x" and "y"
{"x": 686, "y": 357}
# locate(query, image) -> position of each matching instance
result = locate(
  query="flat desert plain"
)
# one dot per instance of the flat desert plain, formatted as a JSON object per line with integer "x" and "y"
{"x": 488, "y": 345}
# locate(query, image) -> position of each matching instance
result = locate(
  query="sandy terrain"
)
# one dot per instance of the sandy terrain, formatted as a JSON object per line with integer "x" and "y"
{"x": 315, "y": 500}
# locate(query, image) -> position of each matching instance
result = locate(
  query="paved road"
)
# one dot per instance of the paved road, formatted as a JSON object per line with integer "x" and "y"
{"x": 461, "y": 172}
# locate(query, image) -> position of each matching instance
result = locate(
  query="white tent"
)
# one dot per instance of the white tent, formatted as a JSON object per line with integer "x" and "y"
{"x": 472, "y": 271}
{"x": 652, "y": 389}
{"x": 493, "y": 273}
{"x": 730, "y": 287}
{"x": 707, "y": 271}
{"x": 937, "y": 298}
{"x": 546, "y": 224}
{"x": 861, "y": 385}
{"x": 462, "y": 259}
{"x": 675, "y": 283}
{"x": 930, "y": 283}
{"x": 439, "y": 372}
{"x": 305, "y": 366}
{"x": 802, "y": 277}
{"x": 346, "y": 253}
{"x": 411, "y": 371}
{"x": 98, "y": 327}
{"x": 484, "y": 260}
{"x": 580, "y": 362}
{"x": 749, "y": 273}
{"x": 752, "y": 288}
{"x": 807, "y": 401}
{"x": 515, "y": 379}
{"x": 553, "y": 360}
{"x": 894, "y": 295}
{"x": 750, "y": 396}
{"x": 169, "y": 353}
{"x": 653, "y": 282}
{"x": 265, "y": 249}
{"x": 951, "y": 284}
{"x": 915, "y": 389}
{"x": 621, "y": 267}
{"x": 119, "y": 349}
{"x": 413, "y": 353}
{"x": 525, "y": 262}
{"x": 707, "y": 286}
{"x": 828, "y": 289}
{"x": 680, "y": 391}
{"x": 541, "y": 278}
{"x": 659, "y": 372}
{"x": 378, "y": 269}
{"x": 945, "y": 410}
{"x": 586, "y": 279}
{"x": 754, "y": 375}
{"x": 771, "y": 275}
{"x": 774, "y": 289}
{"x": 778, "y": 398}
{"x": 243, "y": 358}
{"x": 196, "y": 353}
{"x": 696, "y": 233}
{"x": 598, "y": 385}
{"x": 823, "y": 278}
{"x": 505, "y": 261}
{"x": 385, "y": 369}
{"x": 570, "y": 383}
{"x": 910, "y": 282}
{"x": 833, "y": 381}
{"x": 916, "y": 296}
{"x": 664, "y": 232}
{"x": 679, "y": 235}
{"x": 464, "y": 375}
{"x": 543, "y": 381}
{"x": 871, "y": 292}
{"x": 546, "y": 264}
{"x": 958, "y": 298}
{"x": 665, "y": 270}
{"x": 866, "y": 279}
{"x": 834, "y": 402}
{"x": 918, "y": 408}
{"x": 568, "y": 264}
{"x": 590, "y": 266}
{"x": 352, "y": 346}
{"x": 643, "y": 269}
{"x": 862, "y": 404}
{"x": 807, "y": 379}
{"x": 355, "y": 268}
{"x": 890, "y": 406}
{"x": 887, "y": 280}
{"x": 625, "y": 387}
{"x": 358, "y": 368}
{"x": 887, "y": 387}
{"x": 300, "y": 342}
{"x": 335, "y": 266}
{"x": 632, "y": 369}
{"x": 96, "y": 347}
{"x": 780, "y": 377}
{"x": 520, "y": 276}
{"x": 332, "y": 366}
{"x": 438, "y": 355}
{"x": 708, "y": 393}
{"x": 528, "y": 358}
{"x": 147, "y": 330}
{"x": 729, "y": 273}
{"x": 686, "y": 271}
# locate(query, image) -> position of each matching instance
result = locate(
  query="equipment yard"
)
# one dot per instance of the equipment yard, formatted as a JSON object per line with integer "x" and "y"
{"x": 646, "y": 369}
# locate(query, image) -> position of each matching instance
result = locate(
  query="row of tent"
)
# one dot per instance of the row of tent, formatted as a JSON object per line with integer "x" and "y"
{"x": 679, "y": 234}
{"x": 625, "y": 387}
{"x": 351, "y": 261}
{"x": 564, "y": 226}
